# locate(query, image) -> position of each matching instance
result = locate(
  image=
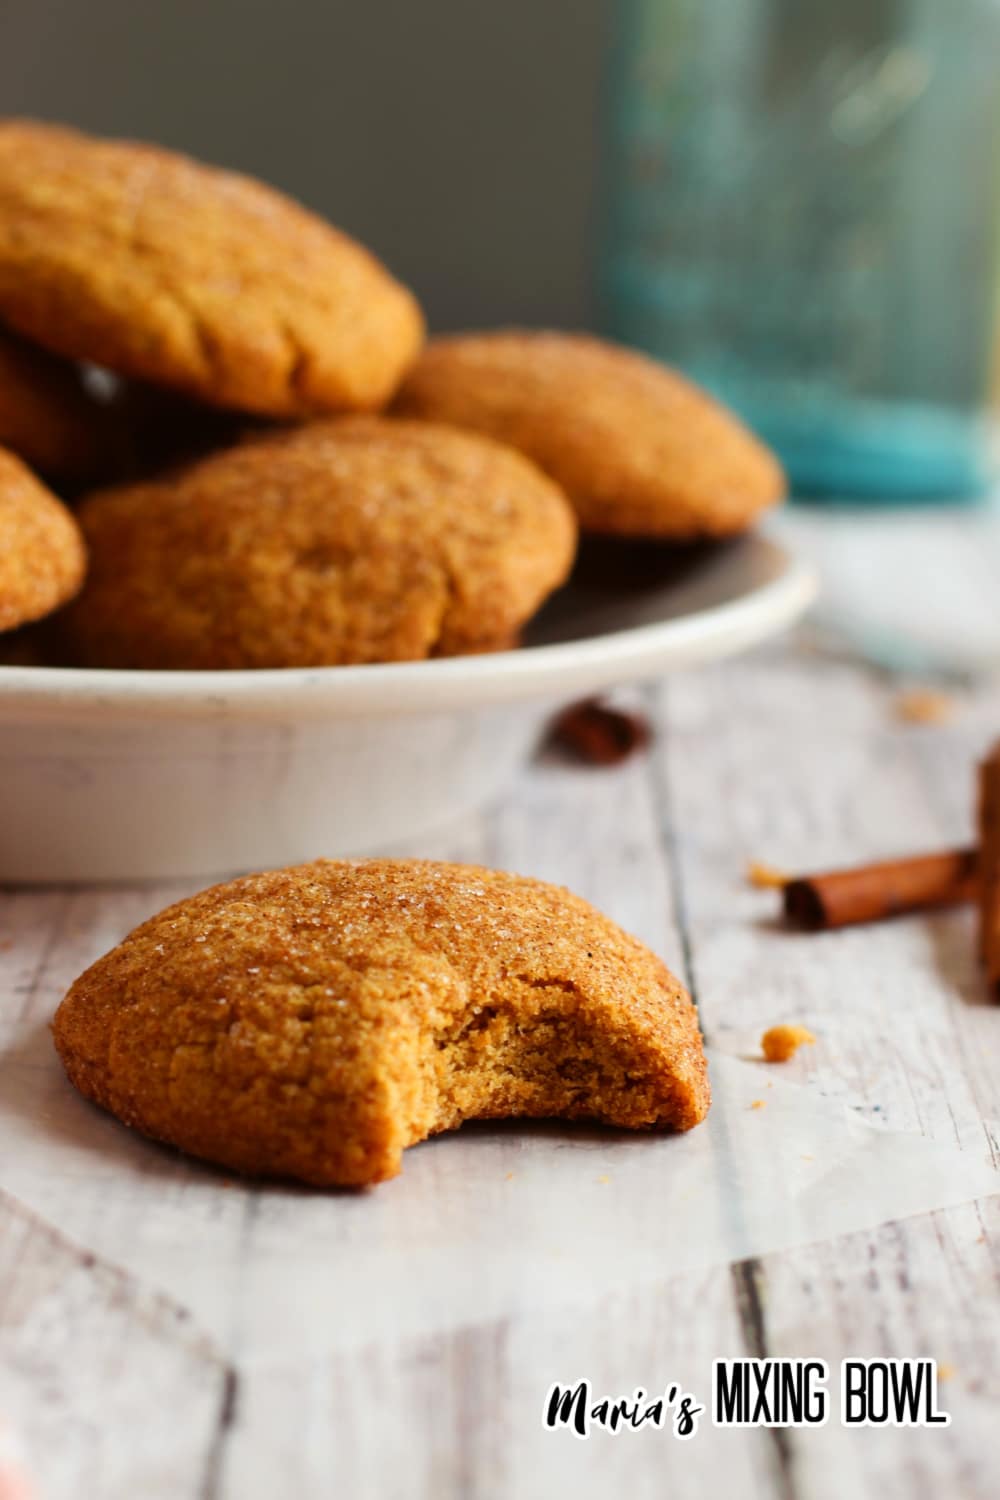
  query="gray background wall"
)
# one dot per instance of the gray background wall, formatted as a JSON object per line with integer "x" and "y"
{"x": 457, "y": 137}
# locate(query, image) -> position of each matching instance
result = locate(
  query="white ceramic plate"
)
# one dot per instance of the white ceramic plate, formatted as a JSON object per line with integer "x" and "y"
{"x": 151, "y": 775}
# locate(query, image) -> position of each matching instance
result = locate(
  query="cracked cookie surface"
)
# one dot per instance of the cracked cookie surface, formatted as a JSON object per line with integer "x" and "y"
{"x": 640, "y": 450}
{"x": 314, "y": 1022}
{"x": 353, "y": 540}
{"x": 160, "y": 268}
{"x": 42, "y": 557}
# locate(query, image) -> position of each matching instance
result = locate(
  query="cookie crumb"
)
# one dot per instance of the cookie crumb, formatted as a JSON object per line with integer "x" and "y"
{"x": 758, "y": 1104}
{"x": 766, "y": 877}
{"x": 925, "y": 706}
{"x": 780, "y": 1043}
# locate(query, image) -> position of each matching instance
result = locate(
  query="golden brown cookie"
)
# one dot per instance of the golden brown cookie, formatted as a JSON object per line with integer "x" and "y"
{"x": 353, "y": 540}
{"x": 42, "y": 558}
{"x": 639, "y": 449}
{"x": 48, "y": 417}
{"x": 157, "y": 267}
{"x": 313, "y": 1022}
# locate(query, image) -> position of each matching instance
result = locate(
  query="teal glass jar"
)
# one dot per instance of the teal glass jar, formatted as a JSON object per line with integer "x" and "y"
{"x": 803, "y": 212}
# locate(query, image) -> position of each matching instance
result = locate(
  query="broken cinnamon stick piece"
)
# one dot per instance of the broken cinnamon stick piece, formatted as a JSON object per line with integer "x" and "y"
{"x": 598, "y": 734}
{"x": 989, "y": 866}
{"x": 869, "y": 893}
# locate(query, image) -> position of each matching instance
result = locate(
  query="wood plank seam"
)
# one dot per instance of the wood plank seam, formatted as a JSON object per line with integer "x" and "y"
{"x": 747, "y": 1277}
{"x": 210, "y": 1487}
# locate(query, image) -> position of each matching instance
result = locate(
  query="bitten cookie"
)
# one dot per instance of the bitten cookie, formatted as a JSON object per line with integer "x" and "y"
{"x": 47, "y": 417}
{"x": 639, "y": 449}
{"x": 313, "y": 1022}
{"x": 358, "y": 540}
{"x": 42, "y": 558}
{"x": 157, "y": 267}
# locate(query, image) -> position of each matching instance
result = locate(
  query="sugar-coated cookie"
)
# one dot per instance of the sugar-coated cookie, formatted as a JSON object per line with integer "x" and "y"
{"x": 313, "y": 1022}
{"x": 158, "y": 267}
{"x": 353, "y": 540}
{"x": 640, "y": 450}
{"x": 42, "y": 558}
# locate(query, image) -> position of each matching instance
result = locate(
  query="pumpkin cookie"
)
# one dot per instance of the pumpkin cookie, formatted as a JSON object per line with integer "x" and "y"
{"x": 313, "y": 1022}
{"x": 42, "y": 557}
{"x": 353, "y": 540}
{"x": 157, "y": 267}
{"x": 639, "y": 450}
{"x": 47, "y": 416}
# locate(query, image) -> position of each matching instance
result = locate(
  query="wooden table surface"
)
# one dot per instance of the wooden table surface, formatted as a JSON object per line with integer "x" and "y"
{"x": 795, "y": 755}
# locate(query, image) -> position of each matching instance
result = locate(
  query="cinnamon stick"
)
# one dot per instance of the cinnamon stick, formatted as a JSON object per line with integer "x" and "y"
{"x": 989, "y": 866}
{"x": 598, "y": 734}
{"x": 869, "y": 893}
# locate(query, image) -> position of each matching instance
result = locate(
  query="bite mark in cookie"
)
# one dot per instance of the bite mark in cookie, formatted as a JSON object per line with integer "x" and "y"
{"x": 316, "y": 1021}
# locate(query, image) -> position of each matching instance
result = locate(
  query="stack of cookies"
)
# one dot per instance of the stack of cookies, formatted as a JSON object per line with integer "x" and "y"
{"x": 261, "y": 465}
{"x": 266, "y": 464}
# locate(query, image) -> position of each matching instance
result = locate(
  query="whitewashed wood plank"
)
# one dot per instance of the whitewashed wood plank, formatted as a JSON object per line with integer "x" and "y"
{"x": 460, "y": 1417}
{"x": 110, "y": 1392}
{"x": 930, "y": 575}
{"x": 772, "y": 758}
{"x": 596, "y": 830}
{"x": 757, "y": 773}
{"x": 927, "y": 1289}
{"x": 764, "y": 766}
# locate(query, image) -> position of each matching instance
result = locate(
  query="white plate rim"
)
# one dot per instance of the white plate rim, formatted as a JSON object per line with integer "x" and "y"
{"x": 562, "y": 669}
